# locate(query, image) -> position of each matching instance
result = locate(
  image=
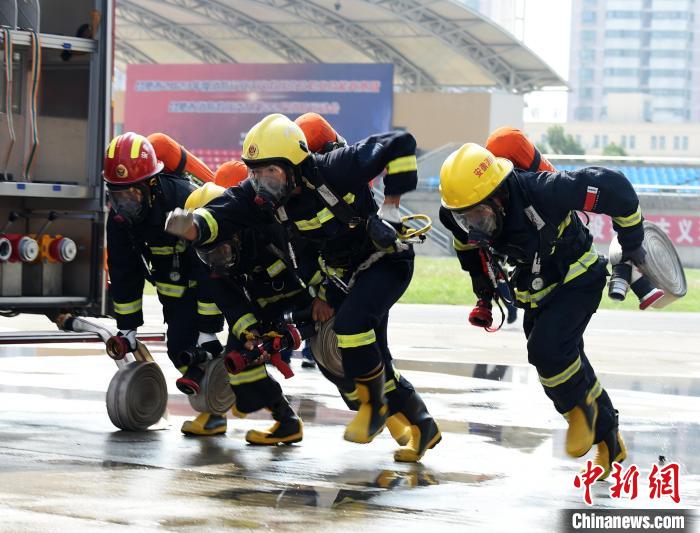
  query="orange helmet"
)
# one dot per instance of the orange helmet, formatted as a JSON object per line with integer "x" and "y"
{"x": 512, "y": 144}
{"x": 231, "y": 173}
{"x": 320, "y": 135}
{"x": 130, "y": 158}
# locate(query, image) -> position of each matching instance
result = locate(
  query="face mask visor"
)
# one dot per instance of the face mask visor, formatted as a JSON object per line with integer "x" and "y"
{"x": 481, "y": 222}
{"x": 129, "y": 202}
{"x": 220, "y": 257}
{"x": 270, "y": 183}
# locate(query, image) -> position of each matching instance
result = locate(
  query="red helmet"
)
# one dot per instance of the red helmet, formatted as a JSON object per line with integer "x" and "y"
{"x": 130, "y": 158}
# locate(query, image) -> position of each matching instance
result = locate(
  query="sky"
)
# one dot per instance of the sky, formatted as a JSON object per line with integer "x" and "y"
{"x": 547, "y": 31}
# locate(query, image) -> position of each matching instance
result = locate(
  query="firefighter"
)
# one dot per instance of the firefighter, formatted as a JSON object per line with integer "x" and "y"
{"x": 325, "y": 200}
{"x": 530, "y": 217}
{"x": 512, "y": 144}
{"x": 322, "y": 138}
{"x": 141, "y": 193}
{"x": 254, "y": 288}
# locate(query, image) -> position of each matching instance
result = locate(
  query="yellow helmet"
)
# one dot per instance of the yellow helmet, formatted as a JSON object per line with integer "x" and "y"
{"x": 471, "y": 174}
{"x": 202, "y": 196}
{"x": 275, "y": 138}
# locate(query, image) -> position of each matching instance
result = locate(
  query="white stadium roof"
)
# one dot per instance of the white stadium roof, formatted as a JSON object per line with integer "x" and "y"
{"x": 434, "y": 45}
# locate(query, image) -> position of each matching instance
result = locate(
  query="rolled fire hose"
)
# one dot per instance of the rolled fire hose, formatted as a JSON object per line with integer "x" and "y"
{"x": 137, "y": 395}
{"x": 662, "y": 269}
{"x": 216, "y": 395}
{"x": 324, "y": 346}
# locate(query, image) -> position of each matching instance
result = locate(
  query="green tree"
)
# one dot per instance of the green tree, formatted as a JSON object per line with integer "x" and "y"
{"x": 561, "y": 142}
{"x": 614, "y": 149}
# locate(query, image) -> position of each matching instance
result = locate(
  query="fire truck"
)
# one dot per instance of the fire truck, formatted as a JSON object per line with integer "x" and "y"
{"x": 55, "y": 119}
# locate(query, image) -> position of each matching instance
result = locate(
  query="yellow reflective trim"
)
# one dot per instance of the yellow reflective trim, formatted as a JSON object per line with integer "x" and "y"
{"x": 316, "y": 278}
{"x": 357, "y": 339}
{"x": 262, "y": 302}
{"x": 560, "y": 229}
{"x": 112, "y": 148}
{"x": 182, "y": 369}
{"x": 351, "y": 395}
{"x": 596, "y": 390}
{"x": 331, "y": 271}
{"x": 307, "y": 225}
{"x": 533, "y": 298}
{"x": 563, "y": 376}
{"x": 389, "y": 386}
{"x": 564, "y": 225}
{"x": 324, "y": 215}
{"x": 192, "y": 283}
{"x": 582, "y": 264}
{"x": 402, "y": 164}
{"x": 127, "y": 308}
{"x": 275, "y": 268}
{"x": 248, "y": 376}
{"x": 322, "y": 293}
{"x": 168, "y": 289}
{"x": 211, "y": 223}
{"x": 136, "y": 147}
{"x": 162, "y": 250}
{"x": 243, "y": 324}
{"x": 207, "y": 308}
{"x": 460, "y": 246}
{"x": 631, "y": 220}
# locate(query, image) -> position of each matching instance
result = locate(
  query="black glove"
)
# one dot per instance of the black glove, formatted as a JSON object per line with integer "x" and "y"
{"x": 636, "y": 255}
{"x": 209, "y": 343}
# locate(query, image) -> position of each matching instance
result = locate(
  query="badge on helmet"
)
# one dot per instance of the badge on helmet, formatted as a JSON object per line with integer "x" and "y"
{"x": 130, "y": 158}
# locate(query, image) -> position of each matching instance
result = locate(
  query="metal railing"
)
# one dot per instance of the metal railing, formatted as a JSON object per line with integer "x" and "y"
{"x": 429, "y": 169}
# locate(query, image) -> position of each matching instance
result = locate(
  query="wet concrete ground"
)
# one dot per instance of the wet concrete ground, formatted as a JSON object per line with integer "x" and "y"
{"x": 500, "y": 466}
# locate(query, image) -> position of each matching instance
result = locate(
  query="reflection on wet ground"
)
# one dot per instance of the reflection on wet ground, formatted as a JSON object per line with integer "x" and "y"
{"x": 673, "y": 385}
{"x": 500, "y": 465}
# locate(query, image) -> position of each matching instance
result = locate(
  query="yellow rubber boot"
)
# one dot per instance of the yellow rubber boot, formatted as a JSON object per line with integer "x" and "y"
{"x": 424, "y": 431}
{"x": 371, "y": 416}
{"x": 400, "y": 428}
{"x": 287, "y": 428}
{"x": 610, "y": 450}
{"x": 581, "y": 432}
{"x": 238, "y": 414}
{"x": 204, "y": 425}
